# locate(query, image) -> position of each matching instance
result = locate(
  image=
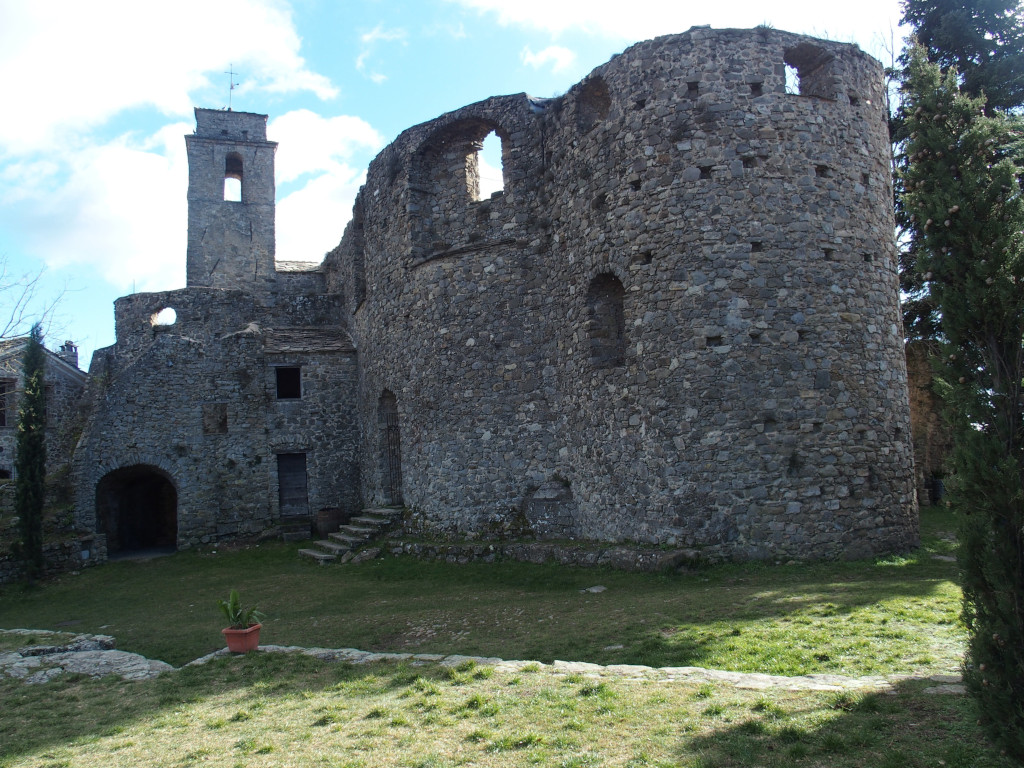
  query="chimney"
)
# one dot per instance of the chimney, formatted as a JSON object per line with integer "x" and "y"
{"x": 69, "y": 353}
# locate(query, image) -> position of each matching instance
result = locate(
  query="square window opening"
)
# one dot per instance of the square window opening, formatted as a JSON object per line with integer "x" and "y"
{"x": 289, "y": 383}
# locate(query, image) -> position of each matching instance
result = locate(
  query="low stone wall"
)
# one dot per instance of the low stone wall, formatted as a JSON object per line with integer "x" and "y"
{"x": 619, "y": 557}
{"x": 60, "y": 557}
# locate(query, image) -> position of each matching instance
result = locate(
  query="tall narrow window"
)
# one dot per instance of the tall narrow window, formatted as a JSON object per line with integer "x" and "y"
{"x": 606, "y": 322}
{"x": 490, "y": 166}
{"x": 233, "y": 177}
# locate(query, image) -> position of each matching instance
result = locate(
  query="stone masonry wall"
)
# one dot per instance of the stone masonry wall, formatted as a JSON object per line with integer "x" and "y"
{"x": 64, "y": 387}
{"x": 231, "y": 244}
{"x": 196, "y": 403}
{"x": 678, "y": 323}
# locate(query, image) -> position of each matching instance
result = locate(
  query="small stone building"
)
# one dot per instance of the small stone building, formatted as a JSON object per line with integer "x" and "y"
{"x": 64, "y": 384}
{"x": 677, "y": 323}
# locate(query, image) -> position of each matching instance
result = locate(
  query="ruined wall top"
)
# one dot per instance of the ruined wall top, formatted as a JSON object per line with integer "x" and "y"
{"x": 227, "y": 124}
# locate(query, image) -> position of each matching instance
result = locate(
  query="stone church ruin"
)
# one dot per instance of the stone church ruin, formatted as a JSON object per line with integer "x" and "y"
{"x": 676, "y": 324}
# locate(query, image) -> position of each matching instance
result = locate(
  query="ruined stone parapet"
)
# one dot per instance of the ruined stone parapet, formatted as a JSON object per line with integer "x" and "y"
{"x": 682, "y": 309}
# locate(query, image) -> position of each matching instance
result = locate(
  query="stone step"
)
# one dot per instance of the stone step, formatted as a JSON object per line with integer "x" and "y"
{"x": 318, "y": 555}
{"x": 358, "y": 530}
{"x": 370, "y": 522}
{"x": 368, "y": 525}
{"x": 334, "y": 547}
{"x": 346, "y": 539}
{"x": 391, "y": 513}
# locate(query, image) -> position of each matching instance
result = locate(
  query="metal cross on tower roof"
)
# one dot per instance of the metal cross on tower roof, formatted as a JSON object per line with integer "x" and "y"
{"x": 231, "y": 82}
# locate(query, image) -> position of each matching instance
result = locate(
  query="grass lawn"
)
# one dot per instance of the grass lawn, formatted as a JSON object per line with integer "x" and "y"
{"x": 275, "y": 710}
{"x": 897, "y": 615}
{"x": 868, "y": 617}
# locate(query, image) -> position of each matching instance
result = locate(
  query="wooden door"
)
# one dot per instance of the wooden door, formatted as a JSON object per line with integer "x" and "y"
{"x": 291, "y": 484}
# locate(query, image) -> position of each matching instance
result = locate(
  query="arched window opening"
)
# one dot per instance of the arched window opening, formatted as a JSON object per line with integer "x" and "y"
{"x": 445, "y": 183}
{"x": 233, "y": 177}
{"x": 490, "y": 167}
{"x": 606, "y": 321}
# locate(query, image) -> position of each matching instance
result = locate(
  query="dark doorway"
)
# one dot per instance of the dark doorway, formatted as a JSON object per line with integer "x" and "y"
{"x": 137, "y": 509}
{"x": 291, "y": 485}
{"x": 391, "y": 448}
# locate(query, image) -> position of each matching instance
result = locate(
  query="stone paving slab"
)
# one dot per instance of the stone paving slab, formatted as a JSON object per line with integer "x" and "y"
{"x": 95, "y": 655}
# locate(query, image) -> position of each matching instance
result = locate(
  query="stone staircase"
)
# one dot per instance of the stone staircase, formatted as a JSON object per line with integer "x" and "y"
{"x": 361, "y": 529}
{"x": 294, "y": 528}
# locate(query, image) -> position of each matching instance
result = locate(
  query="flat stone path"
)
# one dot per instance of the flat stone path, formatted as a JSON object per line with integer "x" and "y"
{"x": 95, "y": 655}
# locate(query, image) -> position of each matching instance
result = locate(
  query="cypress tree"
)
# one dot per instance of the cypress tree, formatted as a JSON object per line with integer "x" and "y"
{"x": 962, "y": 194}
{"x": 30, "y": 461}
{"x": 983, "y": 42}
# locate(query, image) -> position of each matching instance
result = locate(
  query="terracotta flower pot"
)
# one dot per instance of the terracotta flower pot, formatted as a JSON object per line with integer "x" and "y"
{"x": 242, "y": 640}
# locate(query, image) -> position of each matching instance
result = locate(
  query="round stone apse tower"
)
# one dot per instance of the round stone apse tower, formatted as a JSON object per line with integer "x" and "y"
{"x": 676, "y": 323}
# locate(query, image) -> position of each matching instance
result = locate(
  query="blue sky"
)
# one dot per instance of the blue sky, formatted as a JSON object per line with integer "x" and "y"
{"x": 98, "y": 97}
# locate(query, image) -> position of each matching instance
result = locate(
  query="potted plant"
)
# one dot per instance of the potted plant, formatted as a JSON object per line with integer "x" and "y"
{"x": 243, "y": 630}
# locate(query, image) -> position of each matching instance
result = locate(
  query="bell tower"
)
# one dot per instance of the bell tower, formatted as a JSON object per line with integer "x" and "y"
{"x": 230, "y": 201}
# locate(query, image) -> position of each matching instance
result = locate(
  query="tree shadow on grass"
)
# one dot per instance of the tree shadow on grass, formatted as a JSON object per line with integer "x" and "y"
{"x": 907, "y": 728}
{"x": 75, "y": 710}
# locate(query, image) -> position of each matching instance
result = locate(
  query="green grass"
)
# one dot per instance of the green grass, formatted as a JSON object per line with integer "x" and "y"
{"x": 894, "y": 615}
{"x": 289, "y": 710}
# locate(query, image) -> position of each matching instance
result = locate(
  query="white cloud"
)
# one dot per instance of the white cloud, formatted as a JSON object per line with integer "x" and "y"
{"x": 310, "y": 143}
{"x": 558, "y": 57}
{"x": 869, "y": 22}
{"x": 78, "y": 64}
{"x": 454, "y": 31}
{"x": 121, "y": 209}
{"x": 378, "y": 34}
{"x": 310, "y": 221}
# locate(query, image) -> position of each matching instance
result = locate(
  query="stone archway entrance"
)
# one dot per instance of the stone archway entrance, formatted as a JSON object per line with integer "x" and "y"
{"x": 137, "y": 509}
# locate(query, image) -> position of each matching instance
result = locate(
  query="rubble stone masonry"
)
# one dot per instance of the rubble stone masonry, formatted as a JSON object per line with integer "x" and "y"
{"x": 676, "y": 325}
